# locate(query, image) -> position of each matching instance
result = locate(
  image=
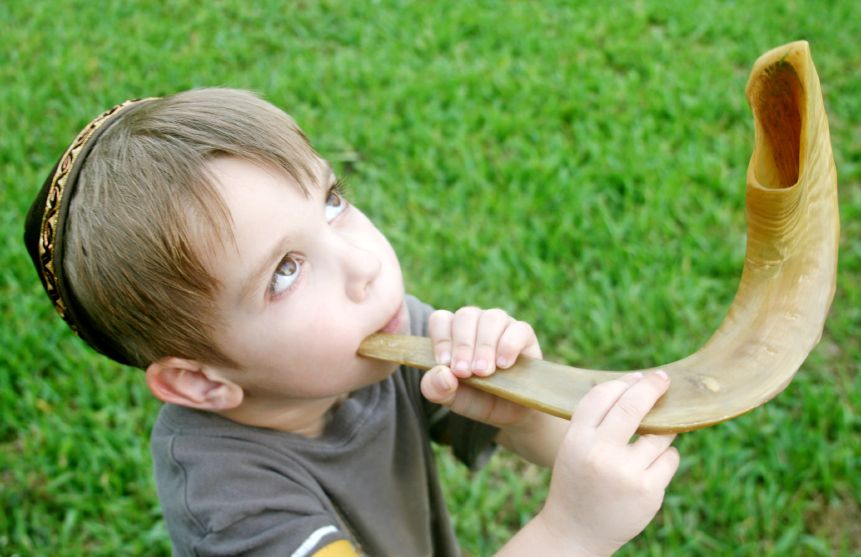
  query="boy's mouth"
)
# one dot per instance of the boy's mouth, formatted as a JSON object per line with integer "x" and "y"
{"x": 394, "y": 323}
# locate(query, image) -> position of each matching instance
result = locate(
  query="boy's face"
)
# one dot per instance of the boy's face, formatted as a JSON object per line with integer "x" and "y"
{"x": 307, "y": 279}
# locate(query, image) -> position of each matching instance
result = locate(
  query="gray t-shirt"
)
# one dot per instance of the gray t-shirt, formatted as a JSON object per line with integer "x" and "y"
{"x": 370, "y": 478}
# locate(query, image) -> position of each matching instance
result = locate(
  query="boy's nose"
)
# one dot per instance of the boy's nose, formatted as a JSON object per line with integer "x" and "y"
{"x": 361, "y": 267}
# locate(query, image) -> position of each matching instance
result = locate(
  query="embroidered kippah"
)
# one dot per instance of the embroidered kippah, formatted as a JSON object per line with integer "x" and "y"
{"x": 45, "y": 225}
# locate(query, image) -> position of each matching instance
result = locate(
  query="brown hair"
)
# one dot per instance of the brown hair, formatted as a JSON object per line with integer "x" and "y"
{"x": 146, "y": 215}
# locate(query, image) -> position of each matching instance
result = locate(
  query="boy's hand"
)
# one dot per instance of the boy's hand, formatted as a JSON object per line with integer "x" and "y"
{"x": 474, "y": 341}
{"x": 604, "y": 491}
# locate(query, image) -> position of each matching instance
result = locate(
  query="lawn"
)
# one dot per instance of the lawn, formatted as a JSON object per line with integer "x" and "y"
{"x": 579, "y": 164}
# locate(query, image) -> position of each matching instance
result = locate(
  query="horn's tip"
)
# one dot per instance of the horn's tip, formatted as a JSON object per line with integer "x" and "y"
{"x": 796, "y": 53}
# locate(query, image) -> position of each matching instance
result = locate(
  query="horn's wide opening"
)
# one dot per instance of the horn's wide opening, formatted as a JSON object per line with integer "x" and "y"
{"x": 777, "y": 103}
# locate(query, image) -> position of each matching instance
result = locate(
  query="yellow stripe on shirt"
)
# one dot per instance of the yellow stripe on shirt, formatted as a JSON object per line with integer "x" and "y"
{"x": 339, "y": 548}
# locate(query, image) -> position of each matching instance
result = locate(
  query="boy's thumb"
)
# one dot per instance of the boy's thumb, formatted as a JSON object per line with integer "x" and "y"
{"x": 439, "y": 385}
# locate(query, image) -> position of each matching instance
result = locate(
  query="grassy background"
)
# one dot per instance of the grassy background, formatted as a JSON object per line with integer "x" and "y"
{"x": 580, "y": 166}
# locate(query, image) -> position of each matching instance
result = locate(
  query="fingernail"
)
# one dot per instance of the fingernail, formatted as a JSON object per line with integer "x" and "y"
{"x": 479, "y": 365}
{"x": 501, "y": 362}
{"x": 636, "y": 376}
{"x": 442, "y": 382}
{"x": 460, "y": 365}
{"x": 662, "y": 374}
{"x": 444, "y": 358}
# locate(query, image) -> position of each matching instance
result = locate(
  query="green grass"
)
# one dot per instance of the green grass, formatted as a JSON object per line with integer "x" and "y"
{"x": 582, "y": 167}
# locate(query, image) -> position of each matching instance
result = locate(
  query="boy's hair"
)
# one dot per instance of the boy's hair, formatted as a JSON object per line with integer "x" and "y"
{"x": 146, "y": 215}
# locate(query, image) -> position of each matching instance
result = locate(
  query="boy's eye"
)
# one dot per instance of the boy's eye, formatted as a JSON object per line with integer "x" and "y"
{"x": 286, "y": 274}
{"x": 335, "y": 204}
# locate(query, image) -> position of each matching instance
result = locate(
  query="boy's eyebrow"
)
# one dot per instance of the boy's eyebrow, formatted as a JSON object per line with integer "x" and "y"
{"x": 279, "y": 250}
{"x": 328, "y": 173}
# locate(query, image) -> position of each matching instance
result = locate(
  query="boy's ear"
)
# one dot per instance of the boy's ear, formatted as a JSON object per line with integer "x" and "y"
{"x": 188, "y": 383}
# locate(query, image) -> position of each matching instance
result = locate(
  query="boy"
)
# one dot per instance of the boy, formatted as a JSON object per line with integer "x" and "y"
{"x": 200, "y": 237}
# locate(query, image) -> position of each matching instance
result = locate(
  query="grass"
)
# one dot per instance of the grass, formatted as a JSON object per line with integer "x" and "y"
{"x": 580, "y": 166}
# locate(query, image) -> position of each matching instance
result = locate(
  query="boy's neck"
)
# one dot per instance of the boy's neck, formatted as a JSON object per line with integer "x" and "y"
{"x": 307, "y": 417}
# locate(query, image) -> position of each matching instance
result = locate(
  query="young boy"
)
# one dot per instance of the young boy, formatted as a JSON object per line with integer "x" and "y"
{"x": 200, "y": 237}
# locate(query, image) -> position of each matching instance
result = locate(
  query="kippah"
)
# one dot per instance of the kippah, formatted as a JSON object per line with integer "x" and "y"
{"x": 44, "y": 229}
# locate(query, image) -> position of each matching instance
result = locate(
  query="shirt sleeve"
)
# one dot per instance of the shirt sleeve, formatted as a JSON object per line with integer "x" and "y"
{"x": 222, "y": 496}
{"x": 471, "y": 442}
{"x": 271, "y": 538}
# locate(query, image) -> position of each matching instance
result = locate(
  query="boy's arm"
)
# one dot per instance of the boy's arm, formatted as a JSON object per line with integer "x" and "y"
{"x": 536, "y": 438}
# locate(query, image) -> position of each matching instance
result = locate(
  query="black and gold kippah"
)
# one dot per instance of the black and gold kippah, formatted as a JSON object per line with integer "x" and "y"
{"x": 45, "y": 226}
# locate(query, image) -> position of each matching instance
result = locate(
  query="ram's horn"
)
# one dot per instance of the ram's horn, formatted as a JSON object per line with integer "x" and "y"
{"x": 786, "y": 286}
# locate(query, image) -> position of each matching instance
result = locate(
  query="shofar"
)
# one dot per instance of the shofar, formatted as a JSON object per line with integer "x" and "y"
{"x": 786, "y": 286}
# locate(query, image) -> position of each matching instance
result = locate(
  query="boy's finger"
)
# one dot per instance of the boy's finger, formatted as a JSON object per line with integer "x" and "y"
{"x": 439, "y": 385}
{"x": 664, "y": 467}
{"x": 624, "y": 417}
{"x": 593, "y": 407}
{"x": 647, "y": 448}
{"x": 439, "y": 331}
{"x": 491, "y": 324}
{"x": 463, "y": 328}
{"x": 518, "y": 338}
